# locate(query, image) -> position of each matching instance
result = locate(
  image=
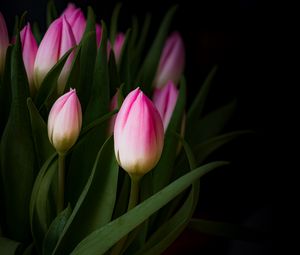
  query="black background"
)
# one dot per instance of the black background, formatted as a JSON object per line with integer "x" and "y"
{"x": 233, "y": 35}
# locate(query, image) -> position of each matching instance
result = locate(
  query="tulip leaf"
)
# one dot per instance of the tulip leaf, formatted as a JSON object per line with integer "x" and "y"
{"x": 49, "y": 84}
{"x": 103, "y": 238}
{"x": 37, "y": 228}
{"x": 5, "y": 91}
{"x": 114, "y": 78}
{"x": 114, "y": 23}
{"x": 123, "y": 195}
{"x": 95, "y": 205}
{"x": 55, "y": 231}
{"x": 134, "y": 33}
{"x": 148, "y": 69}
{"x": 17, "y": 153}
{"x": 211, "y": 124}
{"x": 73, "y": 79}
{"x": 43, "y": 147}
{"x": 197, "y": 107}
{"x": 37, "y": 32}
{"x": 100, "y": 97}
{"x": 51, "y": 12}
{"x": 9, "y": 247}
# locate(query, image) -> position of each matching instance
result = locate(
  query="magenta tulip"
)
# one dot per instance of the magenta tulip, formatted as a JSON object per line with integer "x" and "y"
{"x": 165, "y": 100}
{"x": 57, "y": 41}
{"x": 98, "y": 34}
{"x": 29, "y": 50}
{"x": 64, "y": 122}
{"x": 77, "y": 22}
{"x": 4, "y": 42}
{"x": 172, "y": 61}
{"x": 71, "y": 8}
{"x": 138, "y": 134}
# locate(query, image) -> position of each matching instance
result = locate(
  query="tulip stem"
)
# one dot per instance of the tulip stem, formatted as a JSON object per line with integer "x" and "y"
{"x": 61, "y": 183}
{"x": 133, "y": 201}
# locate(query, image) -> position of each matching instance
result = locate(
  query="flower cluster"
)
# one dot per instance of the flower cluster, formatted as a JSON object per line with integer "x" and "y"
{"x": 77, "y": 108}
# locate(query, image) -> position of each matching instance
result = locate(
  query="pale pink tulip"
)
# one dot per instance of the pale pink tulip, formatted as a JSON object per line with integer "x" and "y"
{"x": 138, "y": 134}
{"x": 64, "y": 122}
{"x": 56, "y": 42}
{"x": 4, "y": 42}
{"x": 165, "y": 99}
{"x": 172, "y": 61}
{"x": 78, "y": 23}
{"x": 29, "y": 50}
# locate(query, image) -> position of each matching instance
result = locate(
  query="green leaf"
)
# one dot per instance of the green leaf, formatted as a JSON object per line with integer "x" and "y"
{"x": 73, "y": 79}
{"x": 18, "y": 163}
{"x": 211, "y": 124}
{"x": 49, "y": 84}
{"x": 38, "y": 229}
{"x": 150, "y": 64}
{"x": 51, "y": 12}
{"x": 203, "y": 150}
{"x": 114, "y": 23}
{"x": 43, "y": 147}
{"x": 8, "y": 246}
{"x": 102, "y": 239}
{"x": 55, "y": 231}
{"x": 114, "y": 78}
{"x": 197, "y": 107}
{"x": 100, "y": 97}
{"x": 37, "y": 32}
{"x": 96, "y": 203}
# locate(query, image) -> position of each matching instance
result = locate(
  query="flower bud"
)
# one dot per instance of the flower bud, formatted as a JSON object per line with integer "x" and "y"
{"x": 98, "y": 34}
{"x": 118, "y": 45}
{"x": 165, "y": 99}
{"x": 71, "y": 8}
{"x": 64, "y": 122}
{"x": 57, "y": 41}
{"x": 77, "y": 22}
{"x": 29, "y": 50}
{"x": 172, "y": 61}
{"x": 138, "y": 134}
{"x": 4, "y": 42}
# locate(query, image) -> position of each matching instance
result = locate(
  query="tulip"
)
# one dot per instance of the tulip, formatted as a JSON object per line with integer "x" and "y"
{"x": 57, "y": 41}
{"x": 172, "y": 61}
{"x": 118, "y": 45}
{"x": 4, "y": 42}
{"x": 71, "y": 8}
{"x": 138, "y": 134}
{"x": 64, "y": 122}
{"x": 165, "y": 99}
{"x": 98, "y": 34}
{"x": 29, "y": 50}
{"x": 113, "y": 106}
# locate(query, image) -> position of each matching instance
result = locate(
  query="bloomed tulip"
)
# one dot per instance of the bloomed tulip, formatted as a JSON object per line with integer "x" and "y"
{"x": 4, "y": 41}
{"x": 64, "y": 122}
{"x": 57, "y": 41}
{"x": 29, "y": 50}
{"x": 165, "y": 99}
{"x": 172, "y": 61}
{"x": 138, "y": 134}
{"x": 118, "y": 45}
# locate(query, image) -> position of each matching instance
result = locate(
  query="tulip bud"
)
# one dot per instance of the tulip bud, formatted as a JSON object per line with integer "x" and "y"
{"x": 57, "y": 41}
{"x": 113, "y": 106}
{"x": 118, "y": 45}
{"x": 98, "y": 34}
{"x": 71, "y": 8}
{"x": 77, "y": 22}
{"x": 64, "y": 122}
{"x": 29, "y": 50}
{"x": 172, "y": 61}
{"x": 138, "y": 134}
{"x": 4, "y": 41}
{"x": 165, "y": 99}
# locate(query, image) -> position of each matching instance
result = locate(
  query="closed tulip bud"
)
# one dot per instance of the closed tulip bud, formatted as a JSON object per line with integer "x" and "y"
{"x": 165, "y": 101}
{"x": 4, "y": 42}
{"x": 29, "y": 50}
{"x": 77, "y": 22}
{"x": 57, "y": 41}
{"x": 71, "y": 8}
{"x": 172, "y": 61}
{"x": 98, "y": 34}
{"x": 118, "y": 45}
{"x": 64, "y": 122}
{"x": 138, "y": 134}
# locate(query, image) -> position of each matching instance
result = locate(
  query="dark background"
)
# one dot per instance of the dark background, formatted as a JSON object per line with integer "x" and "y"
{"x": 233, "y": 35}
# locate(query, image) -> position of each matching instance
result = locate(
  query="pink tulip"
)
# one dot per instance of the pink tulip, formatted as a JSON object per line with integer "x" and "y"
{"x": 57, "y": 41}
{"x": 118, "y": 45}
{"x": 77, "y": 22}
{"x": 113, "y": 106}
{"x": 172, "y": 61}
{"x": 165, "y": 99}
{"x": 138, "y": 134}
{"x": 29, "y": 50}
{"x": 71, "y": 8}
{"x": 98, "y": 34}
{"x": 4, "y": 42}
{"x": 64, "y": 122}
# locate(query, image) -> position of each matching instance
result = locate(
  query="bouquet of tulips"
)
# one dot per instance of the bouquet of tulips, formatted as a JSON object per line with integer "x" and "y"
{"x": 99, "y": 153}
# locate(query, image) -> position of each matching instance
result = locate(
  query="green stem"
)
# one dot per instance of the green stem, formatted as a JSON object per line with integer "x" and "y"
{"x": 133, "y": 201}
{"x": 61, "y": 183}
